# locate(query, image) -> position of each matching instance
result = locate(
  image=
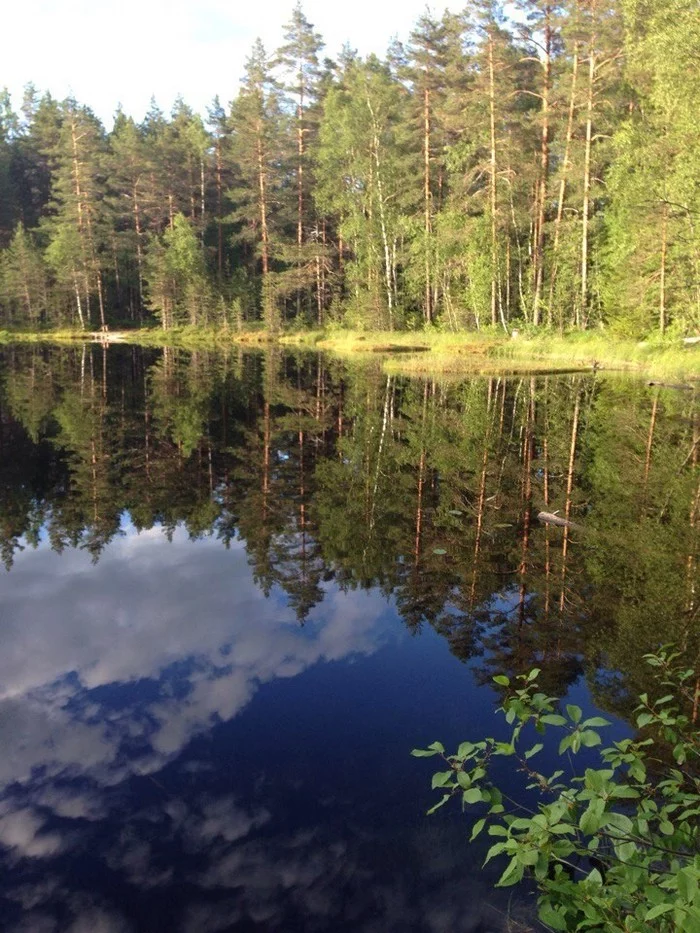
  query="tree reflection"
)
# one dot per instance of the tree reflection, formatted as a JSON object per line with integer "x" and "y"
{"x": 427, "y": 491}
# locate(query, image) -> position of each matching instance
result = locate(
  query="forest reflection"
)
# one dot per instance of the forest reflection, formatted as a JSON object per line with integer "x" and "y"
{"x": 425, "y": 490}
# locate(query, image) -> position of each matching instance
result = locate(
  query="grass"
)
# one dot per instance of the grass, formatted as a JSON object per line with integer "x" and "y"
{"x": 434, "y": 352}
{"x": 187, "y": 337}
{"x": 490, "y": 351}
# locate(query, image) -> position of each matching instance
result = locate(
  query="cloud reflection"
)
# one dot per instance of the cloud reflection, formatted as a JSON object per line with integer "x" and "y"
{"x": 182, "y": 623}
{"x": 107, "y": 673}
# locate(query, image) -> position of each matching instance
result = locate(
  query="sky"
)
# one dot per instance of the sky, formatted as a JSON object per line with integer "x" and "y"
{"x": 124, "y": 52}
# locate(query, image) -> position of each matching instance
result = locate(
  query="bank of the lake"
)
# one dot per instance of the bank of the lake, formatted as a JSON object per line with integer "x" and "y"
{"x": 430, "y": 351}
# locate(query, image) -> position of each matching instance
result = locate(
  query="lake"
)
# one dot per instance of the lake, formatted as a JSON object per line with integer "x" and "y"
{"x": 241, "y": 587}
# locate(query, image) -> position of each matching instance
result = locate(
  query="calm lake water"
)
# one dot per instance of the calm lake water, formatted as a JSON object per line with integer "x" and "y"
{"x": 241, "y": 588}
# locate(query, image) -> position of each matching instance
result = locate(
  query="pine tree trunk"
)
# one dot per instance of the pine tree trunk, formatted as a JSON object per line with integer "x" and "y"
{"x": 563, "y": 180}
{"x": 492, "y": 180}
{"x": 263, "y": 208}
{"x": 544, "y": 172}
{"x": 662, "y": 279}
{"x": 300, "y": 193}
{"x": 219, "y": 221}
{"x": 139, "y": 248}
{"x": 388, "y": 271}
{"x": 427, "y": 204}
{"x": 587, "y": 189}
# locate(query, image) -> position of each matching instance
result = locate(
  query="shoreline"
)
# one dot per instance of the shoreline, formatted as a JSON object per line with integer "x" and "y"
{"x": 420, "y": 352}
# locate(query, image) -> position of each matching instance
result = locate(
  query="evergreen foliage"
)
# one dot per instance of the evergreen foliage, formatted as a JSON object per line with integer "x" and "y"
{"x": 535, "y": 172}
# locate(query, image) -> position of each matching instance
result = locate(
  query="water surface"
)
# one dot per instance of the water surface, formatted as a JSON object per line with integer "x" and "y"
{"x": 241, "y": 588}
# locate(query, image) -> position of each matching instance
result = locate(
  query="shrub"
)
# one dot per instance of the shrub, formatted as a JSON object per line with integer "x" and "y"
{"x": 615, "y": 849}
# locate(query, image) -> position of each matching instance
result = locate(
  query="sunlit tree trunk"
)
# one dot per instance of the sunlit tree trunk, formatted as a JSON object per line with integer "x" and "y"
{"x": 538, "y": 258}
{"x": 662, "y": 272}
{"x": 427, "y": 204}
{"x": 492, "y": 178}
{"x": 583, "y": 318}
{"x": 565, "y": 166}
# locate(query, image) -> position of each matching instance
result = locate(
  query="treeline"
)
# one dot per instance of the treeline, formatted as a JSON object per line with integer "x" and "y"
{"x": 544, "y": 172}
{"x": 351, "y": 478}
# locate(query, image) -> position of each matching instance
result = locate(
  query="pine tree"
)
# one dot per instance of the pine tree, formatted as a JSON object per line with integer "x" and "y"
{"x": 361, "y": 179}
{"x": 652, "y": 272}
{"x": 436, "y": 66}
{"x": 256, "y": 154}
{"x": 298, "y": 60}
{"x": 8, "y": 194}
{"x": 128, "y": 170}
{"x": 76, "y": 227}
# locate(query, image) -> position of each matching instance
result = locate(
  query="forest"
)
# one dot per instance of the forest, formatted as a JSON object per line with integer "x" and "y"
{"x": 539, "y": 172}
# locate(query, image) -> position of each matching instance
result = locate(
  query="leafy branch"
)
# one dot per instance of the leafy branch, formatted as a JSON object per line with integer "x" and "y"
{"x": 616, "y": 849}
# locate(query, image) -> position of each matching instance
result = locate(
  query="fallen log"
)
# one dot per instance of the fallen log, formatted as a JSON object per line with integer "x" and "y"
{"x": 549, "y": 518}
{"x": 672, "y": 385}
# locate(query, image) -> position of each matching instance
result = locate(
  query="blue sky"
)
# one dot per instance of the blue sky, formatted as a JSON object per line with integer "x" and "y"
{"x": 126, "y": 51}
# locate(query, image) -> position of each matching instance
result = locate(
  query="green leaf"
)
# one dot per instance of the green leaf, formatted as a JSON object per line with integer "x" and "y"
{"x": 553, "y": 719}
{"x": 625, "y": 851}
{"x": 502, "y": 680}
{"x": 423, "y": 752}
{"x": 619, "y": 821}
{"x": 534, "y": 673}
{"x": 590, "y": 738}
{"x": 657, "y": 911}
{"x": 573, "y": 712}
{"x": 592, "y": 817}
{"x": 478, "y": 826}
{"x": 688, "y": 883}
{"x": 666, "y": 828}
{"x": 552, "y": 918}
{"x": 597, "y": 721}
{"x": 473, "y": 795}
{"x": 533, "y": 751}
{"x": 439, "y": 551}
{"x": 438, "y": 747}
{"x": 623, "y": 792}
{"x": 441, "y": 778}
{"x": 463, "y": 780}
{"x": 495, "y": 849}
{"x": 465, "y": 749}
{"x": 512, "y": 875}
{"x": 439, "y": 804}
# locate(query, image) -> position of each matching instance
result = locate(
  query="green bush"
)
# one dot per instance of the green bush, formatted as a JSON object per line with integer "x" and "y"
{"x": 615, "y": 849}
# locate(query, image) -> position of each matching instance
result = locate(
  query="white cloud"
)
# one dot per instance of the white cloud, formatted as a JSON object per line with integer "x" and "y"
{"x": 21, "y": 831}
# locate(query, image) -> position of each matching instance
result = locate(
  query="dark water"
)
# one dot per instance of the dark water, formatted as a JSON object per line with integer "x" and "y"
{"x": 240, "y": 589}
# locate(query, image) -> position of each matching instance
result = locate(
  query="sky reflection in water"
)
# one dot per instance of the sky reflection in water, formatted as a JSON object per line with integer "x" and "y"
{"x": 178, "y": 752}
{"x": 176, "y": 757}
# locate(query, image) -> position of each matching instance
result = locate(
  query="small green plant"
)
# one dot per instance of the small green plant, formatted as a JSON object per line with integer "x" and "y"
{"x": 615, "y": 849}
